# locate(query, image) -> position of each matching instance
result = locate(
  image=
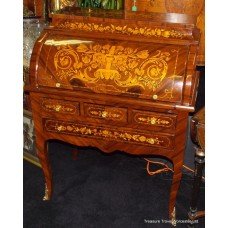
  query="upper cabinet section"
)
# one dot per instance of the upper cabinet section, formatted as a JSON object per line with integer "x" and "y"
{"x": 189, "y": 7}
{"x": 195, "y": 8}
{"x": 119, "y": 24}
{"x": 126, "y": 54}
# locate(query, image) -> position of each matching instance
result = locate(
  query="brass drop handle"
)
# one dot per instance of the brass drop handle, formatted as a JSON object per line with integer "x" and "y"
{"x": 104, "y": 114}
{"x": 58, "y": 108}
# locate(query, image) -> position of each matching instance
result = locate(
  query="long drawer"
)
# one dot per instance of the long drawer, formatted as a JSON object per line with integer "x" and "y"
{"x": 109, "y": 133}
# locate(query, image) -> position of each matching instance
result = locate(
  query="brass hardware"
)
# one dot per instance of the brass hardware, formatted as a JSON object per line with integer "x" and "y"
{"x": 155, "y": 97}
{"x": 104, "y": 114}
{"x": 153, "y": 120}
{"x": 46, "y": 197}
{"x": 200, "y": 152}
{"x": 60, "y": 128}
{"x": 57, "y": 85}
{"x": 114, "y": 114}
{"x": 151, "y": 141}
{"x": 57, "y": 108}
{"x": 173, "y": 218}
{"x": 63, "y": 108}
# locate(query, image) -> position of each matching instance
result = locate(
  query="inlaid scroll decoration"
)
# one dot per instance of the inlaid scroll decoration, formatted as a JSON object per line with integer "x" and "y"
{"x": 108, "y": 68}
{"x": 124, "y": 29}
{"x": 107, "y": 114}
{"x": 107, "y": 134}
{"x": 153, "y": 120}
{"x": 59, "y": 107}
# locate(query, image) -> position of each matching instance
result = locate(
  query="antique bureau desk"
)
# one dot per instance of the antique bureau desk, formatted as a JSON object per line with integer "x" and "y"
{"x": 116, "y": 81}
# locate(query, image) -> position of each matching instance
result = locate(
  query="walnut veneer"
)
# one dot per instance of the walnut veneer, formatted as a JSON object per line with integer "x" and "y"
{"x": 116, "y": 81}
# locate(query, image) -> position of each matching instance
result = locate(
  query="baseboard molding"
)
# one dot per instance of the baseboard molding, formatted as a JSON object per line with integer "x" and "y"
{"x": 31, "y": 158}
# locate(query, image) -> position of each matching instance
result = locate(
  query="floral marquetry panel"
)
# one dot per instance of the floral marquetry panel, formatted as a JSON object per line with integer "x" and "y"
{"x": 146, "y": 32}
{"x": 109, "y": 134}
{"x": 125, "y": 68}
{"x": 152, "y": 119}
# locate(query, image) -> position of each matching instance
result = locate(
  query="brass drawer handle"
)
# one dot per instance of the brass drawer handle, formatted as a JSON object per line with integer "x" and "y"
{"x": 100, "y": 112}
{"x": 58, "y": 108}
{"x": 153, "y": 120}
{"x": 155, "y": 97}
{"x": 60, "y": 128}
{"x": 104, "y": 114}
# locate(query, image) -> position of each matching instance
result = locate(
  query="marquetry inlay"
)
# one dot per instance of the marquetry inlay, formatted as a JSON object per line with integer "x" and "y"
{"x": 117, "y": 114}
{"x": 57, "y": 106}
{"x": 153, "y": 120}
{"x": 116, "y": 69}
{"x": 125, "y": 30}
{"x": 107, "y": 134}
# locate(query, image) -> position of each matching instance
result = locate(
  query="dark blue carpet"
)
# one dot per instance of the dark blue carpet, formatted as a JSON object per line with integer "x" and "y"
{"x": 101, "y": 191}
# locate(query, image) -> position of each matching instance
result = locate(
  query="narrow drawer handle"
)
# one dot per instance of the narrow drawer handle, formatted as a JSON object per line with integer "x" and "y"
{"x": 58, "y": 108}
{"x": 104, "y": 114}
{"x": 155, "y": 96}
{"x": 165, "y": 122}
{"x": 153, "y": 120}
{"x": 60, "y": 128}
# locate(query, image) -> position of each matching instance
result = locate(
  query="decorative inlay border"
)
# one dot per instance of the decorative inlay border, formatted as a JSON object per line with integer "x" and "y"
{"x": 153, "y": 120}
{"x": 106, "y": 113}
{"x": 107, "y": 134}
{"x": 59, "y": 107}
{"x": 125, "y": 30}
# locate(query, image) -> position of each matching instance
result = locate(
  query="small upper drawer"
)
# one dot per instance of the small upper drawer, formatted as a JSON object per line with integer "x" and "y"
{"x": 154, "y": 119}
{"x": 110, "y": 133}
{"x": 105, "y": 112}
{"x": 60, "y": 106}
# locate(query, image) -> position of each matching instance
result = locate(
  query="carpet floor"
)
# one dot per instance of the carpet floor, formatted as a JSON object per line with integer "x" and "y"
{"x": 102, "y": 191}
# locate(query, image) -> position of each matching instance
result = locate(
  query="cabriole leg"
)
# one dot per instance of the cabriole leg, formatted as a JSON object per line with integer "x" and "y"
{"x": 42, "y": 153}
{"x": 177, "y": 174}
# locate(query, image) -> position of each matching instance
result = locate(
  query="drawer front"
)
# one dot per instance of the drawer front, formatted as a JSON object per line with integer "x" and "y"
{"x": 110, "y": 134}
{"x": 60, "y": 106}
{"x": 105, "y": 112}
{"x": 152, "y": 119}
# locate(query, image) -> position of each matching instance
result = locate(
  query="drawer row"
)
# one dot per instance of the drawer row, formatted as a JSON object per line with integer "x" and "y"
{"x": 107, "y": 114}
